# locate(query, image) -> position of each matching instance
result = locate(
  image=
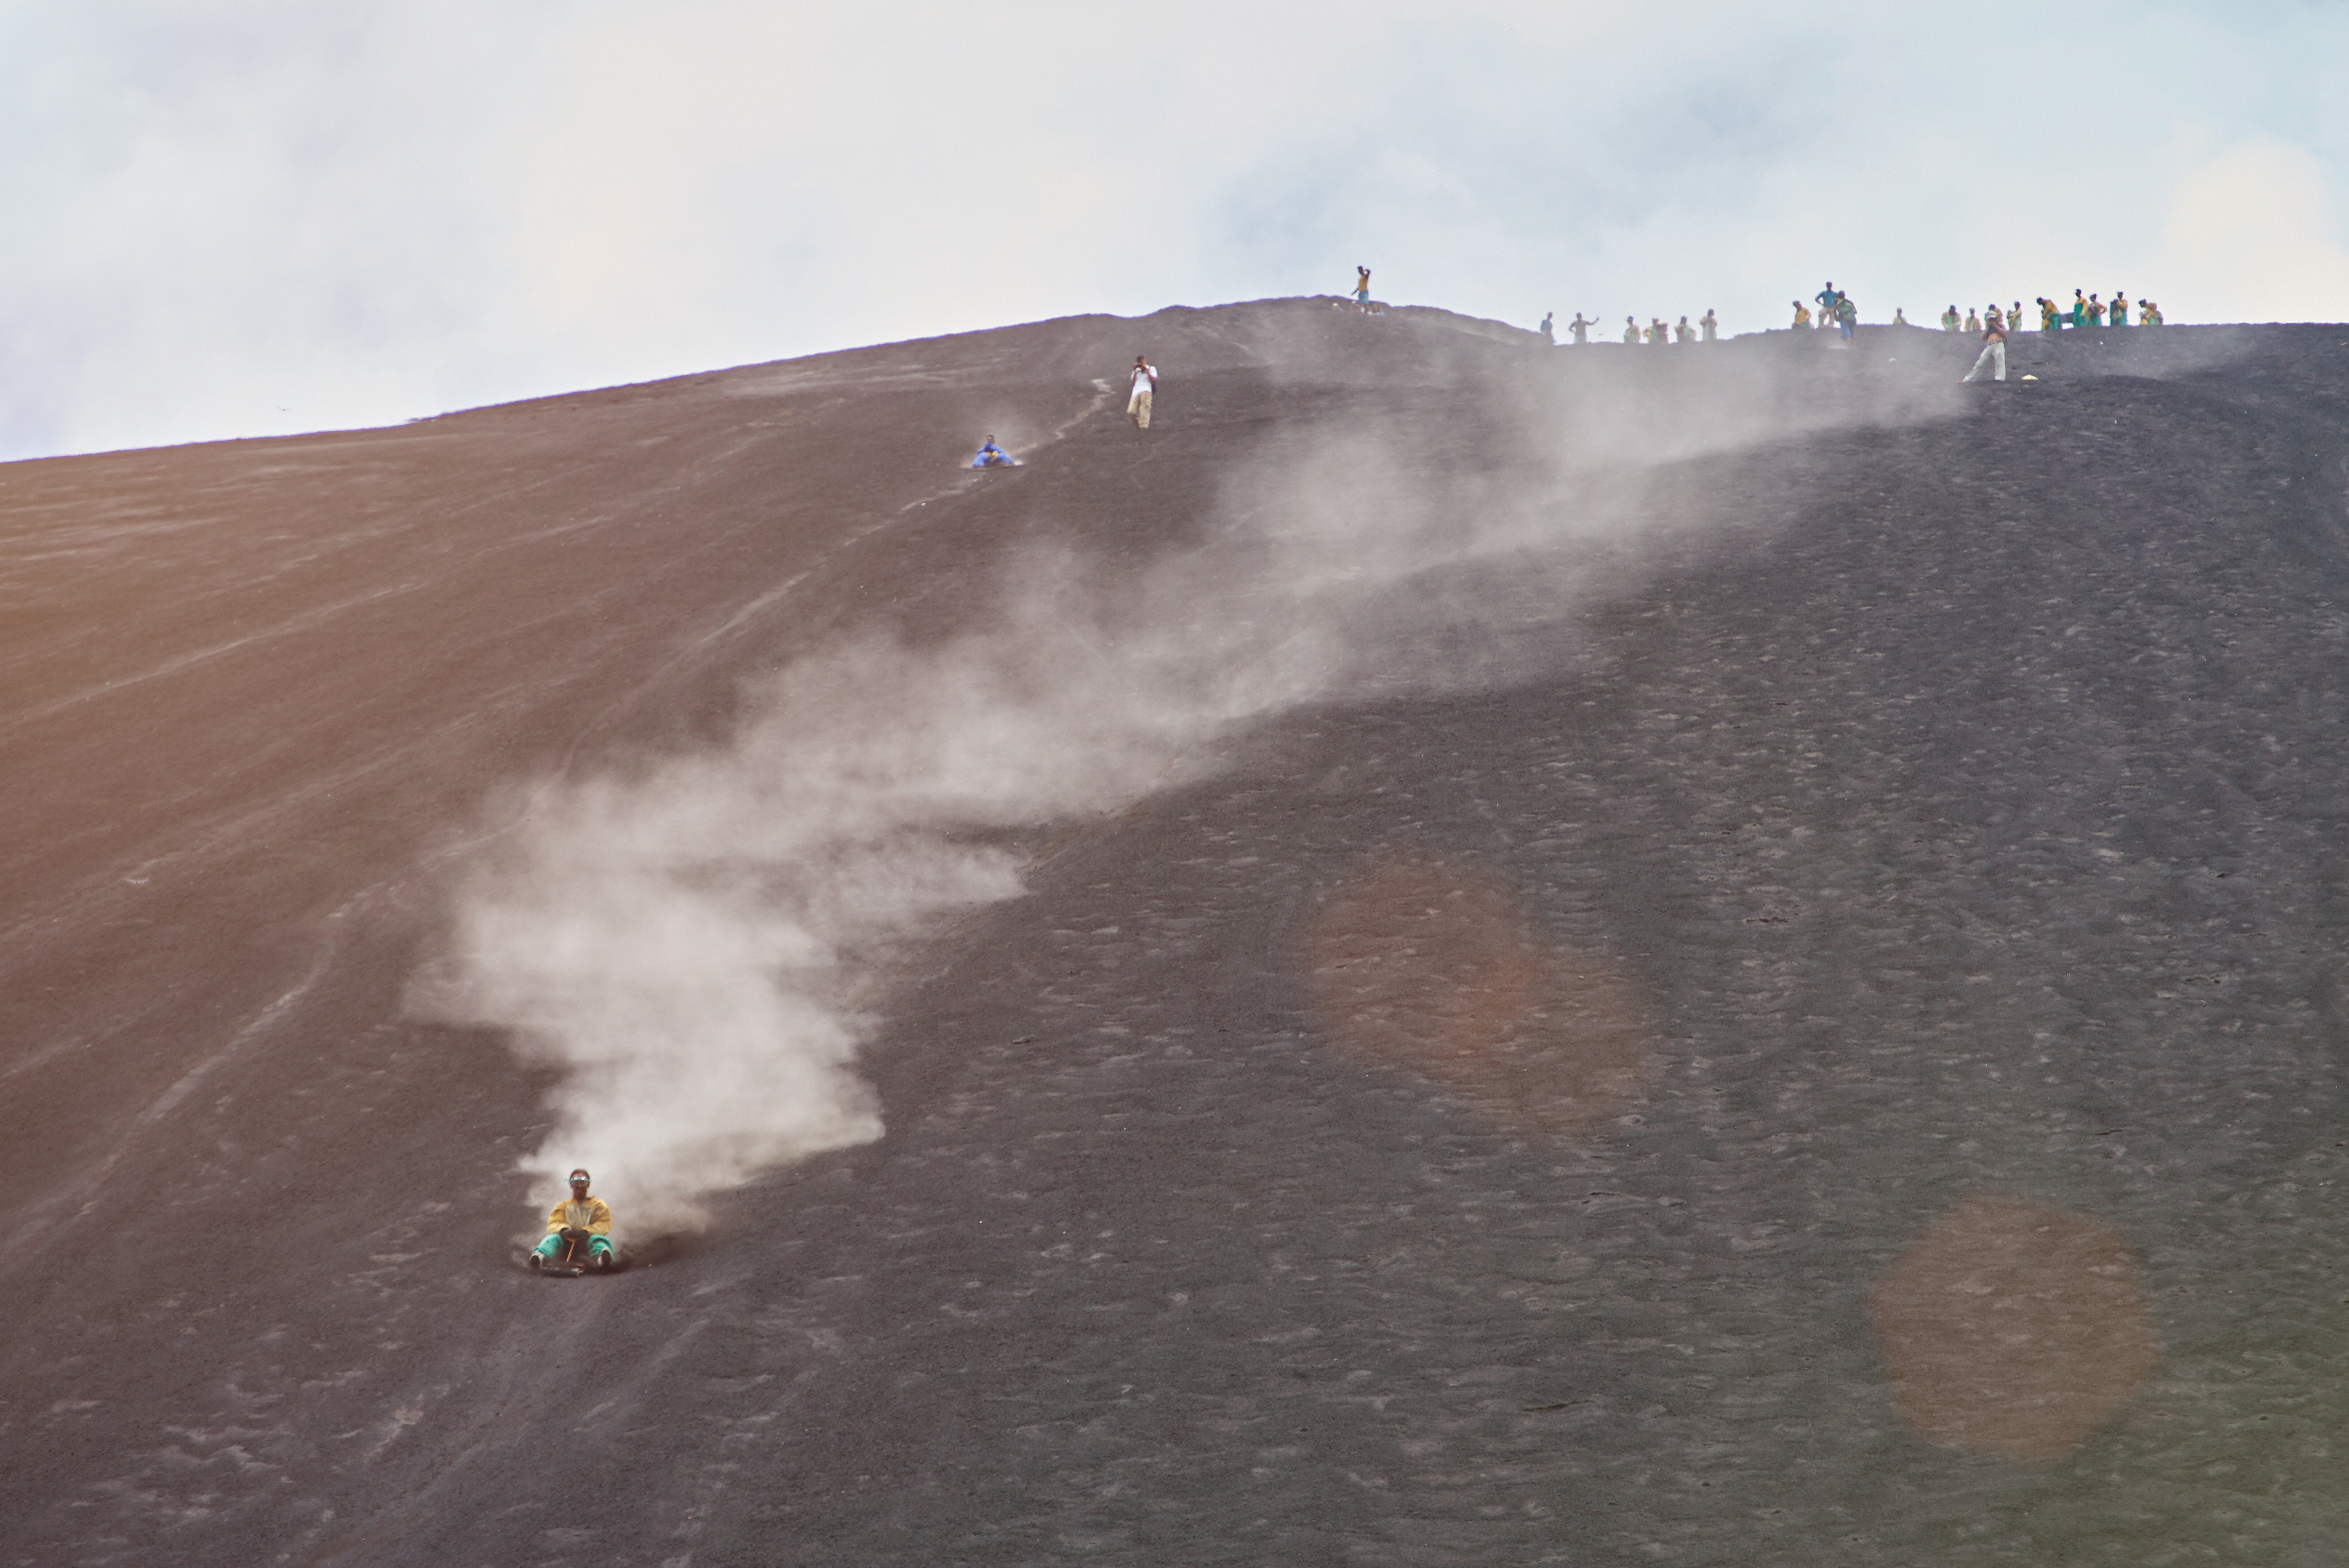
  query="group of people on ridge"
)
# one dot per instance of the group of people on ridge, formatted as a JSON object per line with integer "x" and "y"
{"x": 2085, "y": 310}
{"x": 1706, "y": 330}
{"x": 1836, "y": 310}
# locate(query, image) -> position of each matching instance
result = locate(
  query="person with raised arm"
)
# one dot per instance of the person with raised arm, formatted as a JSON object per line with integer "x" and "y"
{"x": 1993, "y": 353}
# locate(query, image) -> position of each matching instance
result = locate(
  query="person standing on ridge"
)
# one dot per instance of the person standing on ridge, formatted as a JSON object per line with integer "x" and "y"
{"x": 1711, "y": 323}
{"x": 579, "y": 1220}
{"x": 2079, "y": 310}
{"x": 1144, "y": 380}
{"x": 1993, "y": 353}
{"x": 1630, "y": 329}
{"x": 1684, "y": 332}
{"x": 2120, "y": 308}
{"x": 1802, "y": 315}
{"x": 2014, "y": 317}
{"x": 2050, "y": 318}
{"x": 1658, "y": 332}
{"x": 1897, "y": 319}
{"x": 2096, "y": 311}
{"x": 1973, "y": 322}
{"x": 1549, "y": 316}
{"x": 1950, "y": 319}
{"x": 1847, "y": 317}
{"x": 1361, "y": 286}
{"x": 1826, "y": 298}
{"x": 1580, "y": 328}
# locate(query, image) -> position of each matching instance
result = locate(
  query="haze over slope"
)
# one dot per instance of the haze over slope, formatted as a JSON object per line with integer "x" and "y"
{"x": 1461, "y": 953}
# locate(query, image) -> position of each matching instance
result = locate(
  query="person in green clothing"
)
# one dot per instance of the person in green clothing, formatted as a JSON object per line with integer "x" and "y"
{"x": 580, "y": 1226}
{"x": 2148, "y": 314}
{"x": 2079, "y": 310}
{"x": 2096, "y": 311}
{"x": 1950, "y": 319}
{"x": 2120, "y": 308}
{"x": 1630, "y": 329}
{"x": 1802, "y": 314}
{"x": 2050, "y": 318}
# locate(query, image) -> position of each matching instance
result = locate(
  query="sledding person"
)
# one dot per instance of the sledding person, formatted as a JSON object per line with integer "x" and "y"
{"x": 578, "y": 1220}
{"x": 1145, "y": 381}
{"x": 991, "y": 456}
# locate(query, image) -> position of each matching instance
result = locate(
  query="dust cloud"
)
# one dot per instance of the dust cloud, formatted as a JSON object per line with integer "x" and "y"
{"x": 701, "y": 946}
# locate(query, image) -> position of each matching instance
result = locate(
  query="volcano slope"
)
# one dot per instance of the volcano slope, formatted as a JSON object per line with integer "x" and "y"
{"x": 1719, "y": 955}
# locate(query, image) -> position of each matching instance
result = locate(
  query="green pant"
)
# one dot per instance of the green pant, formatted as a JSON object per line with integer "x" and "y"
{"x": 599, "y": 1248}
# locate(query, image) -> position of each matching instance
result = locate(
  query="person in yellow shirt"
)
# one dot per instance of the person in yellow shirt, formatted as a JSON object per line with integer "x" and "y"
{"x": 1802, "y": 314}
{"x": 578, "y": 1221}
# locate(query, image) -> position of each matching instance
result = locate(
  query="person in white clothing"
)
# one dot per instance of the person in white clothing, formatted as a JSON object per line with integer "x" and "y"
{"x": 1145, "y": 381}
{"x": 1993, "y": 353}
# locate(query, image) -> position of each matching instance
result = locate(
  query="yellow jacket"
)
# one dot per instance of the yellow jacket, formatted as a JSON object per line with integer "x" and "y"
{"x": 594, "y": 1216}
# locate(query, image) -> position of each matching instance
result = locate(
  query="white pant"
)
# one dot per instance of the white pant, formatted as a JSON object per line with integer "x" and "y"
{"x": 1994, "y": 356}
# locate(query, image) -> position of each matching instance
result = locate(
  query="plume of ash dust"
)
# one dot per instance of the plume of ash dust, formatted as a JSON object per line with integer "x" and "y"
{"x": 694, "y": 946}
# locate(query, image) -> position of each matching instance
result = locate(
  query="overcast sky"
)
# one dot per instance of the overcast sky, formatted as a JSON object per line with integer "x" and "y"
{"x": 240, "y": 217}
